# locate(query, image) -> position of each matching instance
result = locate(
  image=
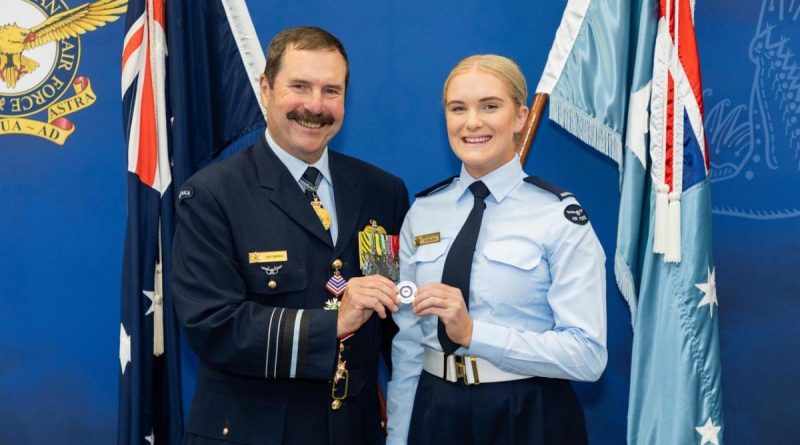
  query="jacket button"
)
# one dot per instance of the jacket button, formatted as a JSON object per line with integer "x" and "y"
{"x": 225, "y": 431}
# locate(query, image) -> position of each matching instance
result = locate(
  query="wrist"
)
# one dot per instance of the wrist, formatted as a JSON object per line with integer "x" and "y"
{"x": 342, "y": 331}
{"x": 466, "y": 340}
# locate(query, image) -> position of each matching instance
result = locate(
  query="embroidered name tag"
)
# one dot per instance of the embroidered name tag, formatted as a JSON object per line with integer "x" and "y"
{"x": 428, "y": 238}
{"x": 274, "y": 256}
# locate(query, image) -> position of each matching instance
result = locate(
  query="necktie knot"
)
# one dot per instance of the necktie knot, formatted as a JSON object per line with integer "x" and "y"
{"x": 479, "y": 190}
{"x": 309, "y": 183}
{"x": 313, "y": 177}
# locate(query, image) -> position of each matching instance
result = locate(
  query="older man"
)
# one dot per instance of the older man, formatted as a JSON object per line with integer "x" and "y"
{"x": 265, "y": 242}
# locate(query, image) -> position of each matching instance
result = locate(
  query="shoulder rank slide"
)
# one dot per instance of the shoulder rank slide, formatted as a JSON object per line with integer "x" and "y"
{"x": 552, "y": 188}
{"x": 435, "y": 187}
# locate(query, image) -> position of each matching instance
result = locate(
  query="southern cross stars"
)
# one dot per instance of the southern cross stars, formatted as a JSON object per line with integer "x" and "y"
{"x": 151, "y": 295}
{"x": 709, "y": 433}
{"x": 124, "y": 348}
{"x": 709, "y": 290}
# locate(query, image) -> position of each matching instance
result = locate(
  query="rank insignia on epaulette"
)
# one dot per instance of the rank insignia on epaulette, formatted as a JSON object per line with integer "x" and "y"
{"x": 378, "y": 251}
{"x": 436, "y": 187}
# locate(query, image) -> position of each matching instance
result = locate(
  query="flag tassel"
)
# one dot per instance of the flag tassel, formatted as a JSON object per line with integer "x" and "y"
{"x": 673, "y": 253}
{"x": 661, "y": 219}
{"x": 158, "y": 302}
{"x": 158, "y": 315}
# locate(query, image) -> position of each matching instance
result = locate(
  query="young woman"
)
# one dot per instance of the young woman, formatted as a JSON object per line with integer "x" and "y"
{"x": 500, "y": 323}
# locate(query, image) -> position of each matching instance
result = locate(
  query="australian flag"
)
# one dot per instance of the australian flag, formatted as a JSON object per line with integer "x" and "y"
{"x": 649, "y": 119}
{"x": 179, "y": 113}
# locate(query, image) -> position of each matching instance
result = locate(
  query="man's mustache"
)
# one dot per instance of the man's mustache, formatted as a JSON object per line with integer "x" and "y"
{"x": 309, "y": 117}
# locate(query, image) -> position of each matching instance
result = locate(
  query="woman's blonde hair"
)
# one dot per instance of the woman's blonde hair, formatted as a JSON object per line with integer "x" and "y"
{"x": 503, "y": 68}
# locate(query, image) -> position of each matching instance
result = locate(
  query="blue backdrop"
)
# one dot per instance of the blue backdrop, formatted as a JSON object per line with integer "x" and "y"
{"x": 63, "y": 206}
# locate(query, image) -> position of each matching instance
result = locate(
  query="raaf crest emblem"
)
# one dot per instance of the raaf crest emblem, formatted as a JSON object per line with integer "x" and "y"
{"x": 40, "y": 51}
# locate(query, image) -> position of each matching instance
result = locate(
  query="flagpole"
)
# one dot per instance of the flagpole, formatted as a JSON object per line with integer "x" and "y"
{"x": 531, "y": 125}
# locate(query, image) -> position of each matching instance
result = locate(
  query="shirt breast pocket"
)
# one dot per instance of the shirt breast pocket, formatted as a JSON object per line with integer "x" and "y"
{"x": 428, "y": 261}
{"x": 275, "y": 278}
{"x": 515, "y": 273}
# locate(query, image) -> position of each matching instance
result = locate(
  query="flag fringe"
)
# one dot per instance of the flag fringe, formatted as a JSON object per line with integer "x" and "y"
{"x": 625, "y": 284}
{"x": 586, "y": 128}
{"x": 244, "y": 33}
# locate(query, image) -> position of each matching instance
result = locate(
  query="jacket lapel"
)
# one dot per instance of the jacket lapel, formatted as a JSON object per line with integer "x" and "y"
{"x": 349, "y": 196}
{"x": 286, "y": 193}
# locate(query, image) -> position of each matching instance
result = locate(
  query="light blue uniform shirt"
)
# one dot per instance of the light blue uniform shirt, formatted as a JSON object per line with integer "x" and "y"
{"x": 297, "y": 167}
{"x": 537, "y": 293}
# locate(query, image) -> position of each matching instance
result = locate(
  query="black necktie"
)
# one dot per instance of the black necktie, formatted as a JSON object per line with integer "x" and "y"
{"x": 458, "y": 264}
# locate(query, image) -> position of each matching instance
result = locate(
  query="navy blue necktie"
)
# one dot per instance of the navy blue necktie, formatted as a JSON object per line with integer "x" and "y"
{"x": 458, "y": 264}
{"x": 310, "y": 180}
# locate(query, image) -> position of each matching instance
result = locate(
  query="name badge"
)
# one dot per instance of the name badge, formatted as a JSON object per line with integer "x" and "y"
{"x": 274, "y": 256}
{"x": 428, "y": 238}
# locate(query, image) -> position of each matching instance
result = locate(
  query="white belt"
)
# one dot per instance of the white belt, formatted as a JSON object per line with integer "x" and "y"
{"x": 473, "y": 370}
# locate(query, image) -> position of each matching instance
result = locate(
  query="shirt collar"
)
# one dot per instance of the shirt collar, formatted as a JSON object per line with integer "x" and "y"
{"x": 500, "y": 182}
{"x": 297, "y": 166}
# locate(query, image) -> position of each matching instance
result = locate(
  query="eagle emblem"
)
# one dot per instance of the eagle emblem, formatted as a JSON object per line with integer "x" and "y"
{"x": 14, "y": 40}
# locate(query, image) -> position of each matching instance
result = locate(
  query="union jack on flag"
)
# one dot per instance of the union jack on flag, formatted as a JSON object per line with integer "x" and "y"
{"x": 144, "y": 70}
{"x": 677, "y": 140}
{"x": 150, "y": 390}
{"x": 648, "y": 117}
{"x": 178, "y": 117}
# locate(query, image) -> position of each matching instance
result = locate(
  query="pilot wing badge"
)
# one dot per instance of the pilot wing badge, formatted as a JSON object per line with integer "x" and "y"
{"x": 40, "y": 51}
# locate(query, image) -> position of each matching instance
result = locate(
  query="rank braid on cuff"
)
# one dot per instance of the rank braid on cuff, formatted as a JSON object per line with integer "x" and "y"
{"x": 287, "y": 343}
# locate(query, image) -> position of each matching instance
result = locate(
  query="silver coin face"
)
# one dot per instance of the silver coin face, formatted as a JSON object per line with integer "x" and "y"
{"x": 406, "y": 291}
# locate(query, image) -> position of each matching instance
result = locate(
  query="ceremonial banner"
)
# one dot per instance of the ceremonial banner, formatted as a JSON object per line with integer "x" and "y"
{"x": 150, "y": 386}
{"x": 624, "y": 77}
{"x": 179, "y": 114}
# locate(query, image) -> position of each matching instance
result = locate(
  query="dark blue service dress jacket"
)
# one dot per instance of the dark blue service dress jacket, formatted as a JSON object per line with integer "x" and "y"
{"x": 268, "y": 352}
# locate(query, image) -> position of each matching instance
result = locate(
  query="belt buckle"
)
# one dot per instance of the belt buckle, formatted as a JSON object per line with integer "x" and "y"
{"x": 473, "y": 361}
{"x": 461, "y": 363}
{"x": 461, "y": 371}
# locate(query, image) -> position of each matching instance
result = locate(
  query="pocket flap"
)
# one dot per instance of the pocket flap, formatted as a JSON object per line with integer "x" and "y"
{"x": 430, "y": 252}
{"x": 522, "y": 255}
{"x": 287, "y": 276}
